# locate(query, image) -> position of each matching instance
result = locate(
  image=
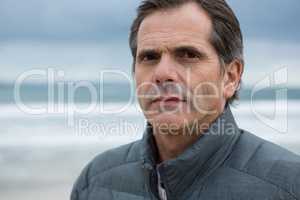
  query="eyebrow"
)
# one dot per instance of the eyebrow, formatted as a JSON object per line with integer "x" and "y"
{"x": 191, "y": 49}
{"x": 175, "y": 50}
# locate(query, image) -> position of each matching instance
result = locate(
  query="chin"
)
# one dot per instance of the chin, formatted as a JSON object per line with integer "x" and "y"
{"x": 165, "y": 119}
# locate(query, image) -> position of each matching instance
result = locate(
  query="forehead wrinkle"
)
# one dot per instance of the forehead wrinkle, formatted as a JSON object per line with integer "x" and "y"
{"x": 168, "y": 40}
{"x": 171, "y": 35}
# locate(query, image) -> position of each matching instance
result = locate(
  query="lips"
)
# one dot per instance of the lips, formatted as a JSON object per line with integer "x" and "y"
{"x": 168, "y": 99}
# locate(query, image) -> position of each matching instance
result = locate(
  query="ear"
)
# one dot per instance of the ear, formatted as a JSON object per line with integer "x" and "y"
{"x": 232, "y": 77}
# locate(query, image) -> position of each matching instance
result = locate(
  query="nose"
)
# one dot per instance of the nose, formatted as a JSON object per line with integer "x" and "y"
{"x": 165, "y": 71}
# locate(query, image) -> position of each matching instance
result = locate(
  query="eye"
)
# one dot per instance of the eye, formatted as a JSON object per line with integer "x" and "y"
{"x": 184, "y": 54}
{"x": 148, "y": 57}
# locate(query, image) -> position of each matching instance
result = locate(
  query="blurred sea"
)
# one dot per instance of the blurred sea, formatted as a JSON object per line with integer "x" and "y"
{"x": 42, "y": 155}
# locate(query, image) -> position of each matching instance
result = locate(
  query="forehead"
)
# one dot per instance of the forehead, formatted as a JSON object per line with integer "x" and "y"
{"x": 189, "y": 24}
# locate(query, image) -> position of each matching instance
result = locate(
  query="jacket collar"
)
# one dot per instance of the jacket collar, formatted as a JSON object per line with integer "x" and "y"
{"x": 199, "y": 160}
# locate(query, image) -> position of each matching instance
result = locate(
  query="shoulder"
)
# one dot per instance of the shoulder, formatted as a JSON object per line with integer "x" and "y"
{"x": 267, "y": 161}
{"x": 108, "y": 167}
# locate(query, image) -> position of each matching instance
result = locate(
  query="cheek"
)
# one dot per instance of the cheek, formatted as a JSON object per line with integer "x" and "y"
{"x": 140, "y": 92}
{"x": 144, "y": 85}
{"x": 142, "y": 77}
{"x": 143, "y": 89}
{"x": 140, "y": 84}
{"x": 206, "y": 79}
{"x": 206, "y": 97}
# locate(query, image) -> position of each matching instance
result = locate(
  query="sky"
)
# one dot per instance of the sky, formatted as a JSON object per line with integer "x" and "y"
{"x": 83, "y": 37}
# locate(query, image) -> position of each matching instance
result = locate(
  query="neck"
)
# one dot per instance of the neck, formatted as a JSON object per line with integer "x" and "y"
{"x": 171, "y": 145}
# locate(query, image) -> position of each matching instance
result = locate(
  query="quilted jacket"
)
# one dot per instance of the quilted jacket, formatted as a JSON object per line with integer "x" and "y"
{"x": 225, "y": 163}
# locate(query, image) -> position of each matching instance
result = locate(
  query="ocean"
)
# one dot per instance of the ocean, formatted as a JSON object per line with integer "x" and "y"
{"x": 42, "y": 154}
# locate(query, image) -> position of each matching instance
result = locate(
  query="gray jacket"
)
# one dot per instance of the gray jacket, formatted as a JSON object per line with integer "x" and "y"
{"x": 224, "y": 163}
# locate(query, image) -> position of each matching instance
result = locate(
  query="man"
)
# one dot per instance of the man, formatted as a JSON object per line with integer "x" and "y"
{"x": 188, "y": 63}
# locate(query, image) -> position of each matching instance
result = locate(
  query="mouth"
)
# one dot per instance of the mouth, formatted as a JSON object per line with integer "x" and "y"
{"x": 168, "y": 100}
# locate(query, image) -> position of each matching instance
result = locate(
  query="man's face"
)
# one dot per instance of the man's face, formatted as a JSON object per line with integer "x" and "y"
{"x": 177, "y": 71}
